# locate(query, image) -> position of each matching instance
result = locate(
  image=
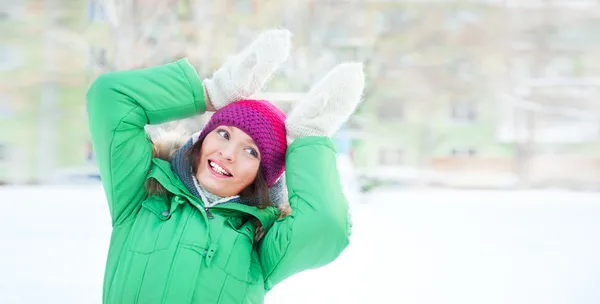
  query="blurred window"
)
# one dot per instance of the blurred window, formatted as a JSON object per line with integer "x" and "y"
{"x": 98, "y": 57}
{"x": 463, "y": 152}
{"x": 96, "y": 11}
{"x": 521, "y": 67}
{"x": 3, "y": 152}
{"x": 12, "y": 10}
{"x": 90, "y": 156}
{"x": 9, "y": 57}
{"x": 463, "y": 111}
{"x": 457, "y": 19}
{"x": 391, "y": 109}
{"x": 390, "y": 156}
{"x": 5, "y": 106}
{"x": 561, "y": 66}
{"x": 243, "y": 6}
{"x": 398, "y": 19}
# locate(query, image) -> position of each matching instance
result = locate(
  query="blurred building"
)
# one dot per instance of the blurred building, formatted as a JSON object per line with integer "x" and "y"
{"x": 443, "y": 88}
{"x": 473, "y": 93}
{"x": 44, "y": 78}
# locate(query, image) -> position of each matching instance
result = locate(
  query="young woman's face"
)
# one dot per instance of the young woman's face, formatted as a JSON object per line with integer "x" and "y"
{"x": 229, "y": 161}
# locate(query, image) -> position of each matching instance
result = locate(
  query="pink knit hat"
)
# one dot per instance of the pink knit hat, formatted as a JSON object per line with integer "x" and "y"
{"x": 265, "y": 124}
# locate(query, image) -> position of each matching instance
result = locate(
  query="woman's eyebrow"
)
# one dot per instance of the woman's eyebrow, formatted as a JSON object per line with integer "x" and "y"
{"x": 248, "y": 140}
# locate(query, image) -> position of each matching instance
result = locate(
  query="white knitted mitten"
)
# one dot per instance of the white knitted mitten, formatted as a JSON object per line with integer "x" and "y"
{"x": 247, "y": 72}
{"x": 328, "y": 104}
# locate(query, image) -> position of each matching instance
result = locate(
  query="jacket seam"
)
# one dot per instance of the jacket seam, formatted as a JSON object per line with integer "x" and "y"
{"x": 124, "y": 222}
{"x": 139, "y": 287}
{"x": 285, "y": 252}
{"x": 326, "y": 145}
{"x": 191, "y": 87}
{"x": 188, "y": 81}
{"x": 127, "y": 274}
{"x": 162, "y": 110}
{"x": 118, "y": 263}
{"x": 173, "y": 260}
{"x": 222, "y": 287}
{"x": 110, "y": 160}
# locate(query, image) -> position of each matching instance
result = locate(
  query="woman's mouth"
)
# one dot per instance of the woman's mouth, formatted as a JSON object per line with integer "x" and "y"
{"x": 218, "y": 169}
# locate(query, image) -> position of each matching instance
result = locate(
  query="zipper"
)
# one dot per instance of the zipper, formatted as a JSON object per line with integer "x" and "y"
{"x": 210, "y": 216}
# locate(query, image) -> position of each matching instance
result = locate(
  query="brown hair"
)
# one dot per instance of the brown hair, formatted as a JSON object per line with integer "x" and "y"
{"x": 258, "y": 188}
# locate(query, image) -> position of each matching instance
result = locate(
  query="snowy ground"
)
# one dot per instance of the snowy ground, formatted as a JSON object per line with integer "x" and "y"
{"x": 426, "y": 246}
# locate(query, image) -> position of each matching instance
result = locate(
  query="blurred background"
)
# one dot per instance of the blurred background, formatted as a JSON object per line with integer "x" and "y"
{"x": 464, "y": 101}
{"x": 485, "y": 93}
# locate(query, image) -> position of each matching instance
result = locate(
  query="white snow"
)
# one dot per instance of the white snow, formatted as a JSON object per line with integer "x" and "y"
{"x": 408, "y": 246}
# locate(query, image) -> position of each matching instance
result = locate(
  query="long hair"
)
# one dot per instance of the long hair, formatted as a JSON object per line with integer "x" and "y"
{"x": 258, "y": 188}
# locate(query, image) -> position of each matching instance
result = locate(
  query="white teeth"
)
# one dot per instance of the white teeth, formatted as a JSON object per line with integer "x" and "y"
{"x": 218, "y": 168}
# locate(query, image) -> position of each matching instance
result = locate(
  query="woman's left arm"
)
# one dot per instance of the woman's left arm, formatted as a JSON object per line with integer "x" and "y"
{"x": 317, "y": 230}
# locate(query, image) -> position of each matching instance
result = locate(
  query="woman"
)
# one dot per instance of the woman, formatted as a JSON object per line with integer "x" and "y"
{"x": 203, "y": 222}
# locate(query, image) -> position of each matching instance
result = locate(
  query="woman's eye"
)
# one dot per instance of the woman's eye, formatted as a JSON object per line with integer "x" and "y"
{"x": 252, "y": 152}
{"x": 223, "y": 134}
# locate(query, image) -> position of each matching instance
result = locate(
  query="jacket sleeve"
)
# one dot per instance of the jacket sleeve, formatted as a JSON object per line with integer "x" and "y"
{"x": 318, "y": 228}
{"x": 119, "y": 106}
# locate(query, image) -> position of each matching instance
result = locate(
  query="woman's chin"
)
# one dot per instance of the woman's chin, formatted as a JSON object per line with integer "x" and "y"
{"x": 215, "y": 186}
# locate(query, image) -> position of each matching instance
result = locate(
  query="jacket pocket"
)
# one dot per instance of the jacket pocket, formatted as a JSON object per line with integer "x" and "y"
{"x": 153, "y": 228}
{"x": 235, "y": 249}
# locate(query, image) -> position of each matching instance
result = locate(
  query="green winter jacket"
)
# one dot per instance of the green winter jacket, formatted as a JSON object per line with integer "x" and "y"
{"x": 169, "y": 248}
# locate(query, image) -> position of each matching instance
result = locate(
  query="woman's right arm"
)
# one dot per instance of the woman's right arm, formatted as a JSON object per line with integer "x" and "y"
{"x": 119, "y": 105}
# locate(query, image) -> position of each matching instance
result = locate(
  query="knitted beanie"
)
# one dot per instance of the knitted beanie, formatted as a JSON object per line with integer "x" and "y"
{"x": 265, "y": 124}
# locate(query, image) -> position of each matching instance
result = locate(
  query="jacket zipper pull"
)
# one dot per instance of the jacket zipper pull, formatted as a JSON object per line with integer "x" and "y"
{"x": 210, "y": 216}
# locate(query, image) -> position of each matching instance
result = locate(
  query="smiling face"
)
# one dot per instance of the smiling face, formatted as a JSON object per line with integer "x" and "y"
{"x": 229, "y": 161}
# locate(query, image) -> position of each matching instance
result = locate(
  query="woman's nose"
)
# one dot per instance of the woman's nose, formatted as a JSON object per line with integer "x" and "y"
{"x": 228, "y": 153}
